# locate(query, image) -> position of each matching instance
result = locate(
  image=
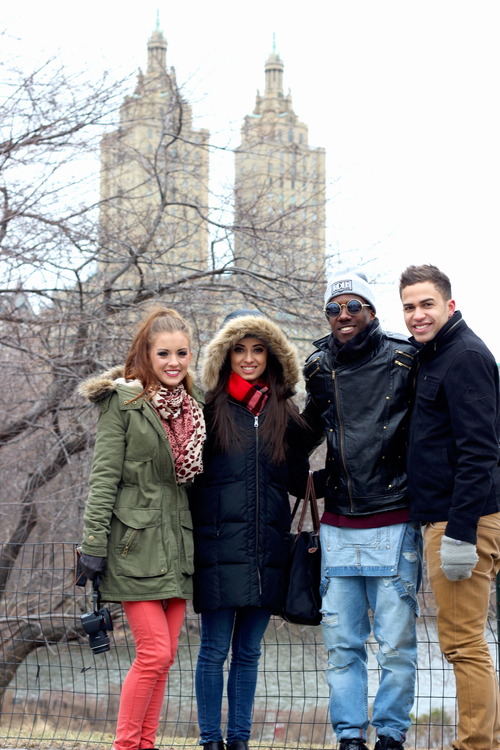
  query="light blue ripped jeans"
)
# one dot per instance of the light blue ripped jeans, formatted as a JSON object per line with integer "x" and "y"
{"x": 346, "y": 602}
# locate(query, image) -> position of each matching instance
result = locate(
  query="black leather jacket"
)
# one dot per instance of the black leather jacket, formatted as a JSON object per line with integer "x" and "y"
{"x": 358, "y": 396}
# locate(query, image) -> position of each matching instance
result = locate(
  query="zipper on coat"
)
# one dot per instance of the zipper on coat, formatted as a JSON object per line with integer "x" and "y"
{"x": 310, "y": 374}
{"x": 127, "y": 546}
{"x": 155, "y": 419}
{"x": 401, "y": 354}
{"x": 257, "y": 508}
{"x": 341, "y": 438}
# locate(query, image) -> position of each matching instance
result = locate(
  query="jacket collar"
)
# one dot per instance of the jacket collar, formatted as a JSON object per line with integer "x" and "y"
{"x": 100, "y": 386}
{"x": 451, "y": 328}
{"x": 359, "y": 346}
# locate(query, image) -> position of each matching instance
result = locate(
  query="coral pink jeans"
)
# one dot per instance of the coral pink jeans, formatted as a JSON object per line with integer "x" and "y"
{"x": 156, "y": 627}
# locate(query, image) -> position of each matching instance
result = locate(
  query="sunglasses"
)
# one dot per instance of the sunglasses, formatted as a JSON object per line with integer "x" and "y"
{"x": 353, "y": 307}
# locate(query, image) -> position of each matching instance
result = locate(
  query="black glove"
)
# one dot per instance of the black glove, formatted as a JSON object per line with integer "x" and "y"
{"x": 92, "y": 565}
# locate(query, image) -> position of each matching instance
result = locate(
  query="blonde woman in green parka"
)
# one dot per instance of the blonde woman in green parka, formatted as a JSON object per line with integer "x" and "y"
{"x": 137, "y": 533}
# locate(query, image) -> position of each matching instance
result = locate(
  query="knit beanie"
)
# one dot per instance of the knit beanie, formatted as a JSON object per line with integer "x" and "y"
{"x": 349, "y": 282}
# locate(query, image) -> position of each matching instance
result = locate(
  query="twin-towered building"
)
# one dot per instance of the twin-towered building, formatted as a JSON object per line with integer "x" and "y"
{"x": 155, "y": 192}
{"x": 279, "y": 186}
{"x": 154, "y": 178}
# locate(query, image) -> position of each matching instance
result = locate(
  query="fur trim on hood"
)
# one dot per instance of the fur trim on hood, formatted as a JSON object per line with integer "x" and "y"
{"x": 99, "y": 386}
{"x": 259, "y": 327}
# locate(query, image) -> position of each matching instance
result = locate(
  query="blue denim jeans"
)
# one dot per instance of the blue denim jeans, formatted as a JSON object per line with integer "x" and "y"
{"x": 346, "y": 626}
{"x": 243, "y": 629}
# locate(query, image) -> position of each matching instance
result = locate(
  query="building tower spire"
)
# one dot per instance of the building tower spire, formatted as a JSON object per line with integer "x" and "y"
{"x": 157, "y": 51}
{"x": 274, "y": 73}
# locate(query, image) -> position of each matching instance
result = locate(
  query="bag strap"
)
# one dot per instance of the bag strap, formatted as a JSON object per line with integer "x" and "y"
{"x": 309, "y": 500}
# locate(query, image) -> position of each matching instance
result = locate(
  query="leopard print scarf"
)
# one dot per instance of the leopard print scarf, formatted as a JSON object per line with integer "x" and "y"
{"x": 184, "y": 423}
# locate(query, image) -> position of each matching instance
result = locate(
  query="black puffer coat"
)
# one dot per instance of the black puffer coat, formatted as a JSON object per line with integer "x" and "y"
{"x": 240, "y": 505}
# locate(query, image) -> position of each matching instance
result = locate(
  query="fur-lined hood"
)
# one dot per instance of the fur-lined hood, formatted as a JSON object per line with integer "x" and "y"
{"x": 249, "y": 325}
{"x": 99, "y": 386}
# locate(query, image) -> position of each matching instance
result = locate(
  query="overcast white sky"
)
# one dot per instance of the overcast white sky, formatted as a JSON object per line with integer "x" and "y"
{"x": 402, "y": 95}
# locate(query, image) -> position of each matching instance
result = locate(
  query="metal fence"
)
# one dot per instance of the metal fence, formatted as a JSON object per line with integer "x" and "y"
{"x": 55, "y": 692}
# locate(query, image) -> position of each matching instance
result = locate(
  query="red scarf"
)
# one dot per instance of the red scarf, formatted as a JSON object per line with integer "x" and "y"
{"x": 253, "y": 395}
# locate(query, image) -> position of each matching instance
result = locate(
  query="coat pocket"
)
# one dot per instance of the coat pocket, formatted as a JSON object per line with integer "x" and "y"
{"x": 137, "y": 544}
{"x": 187, "y": 552}
{"x": 428, "y": 389}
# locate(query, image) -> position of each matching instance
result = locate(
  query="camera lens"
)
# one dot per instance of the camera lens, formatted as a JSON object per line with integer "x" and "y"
{"x": 99, "y": 642}
{"x": 96, "y": 625}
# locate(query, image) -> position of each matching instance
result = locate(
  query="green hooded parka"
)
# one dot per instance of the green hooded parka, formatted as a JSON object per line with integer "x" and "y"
{"x": 136, "y": 515}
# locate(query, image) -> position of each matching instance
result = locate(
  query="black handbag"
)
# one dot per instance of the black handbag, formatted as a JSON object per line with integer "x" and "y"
{"x": 303, "y": 601}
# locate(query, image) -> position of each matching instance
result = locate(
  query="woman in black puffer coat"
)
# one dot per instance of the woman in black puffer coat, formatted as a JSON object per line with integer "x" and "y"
{"x": 241, "y": 512}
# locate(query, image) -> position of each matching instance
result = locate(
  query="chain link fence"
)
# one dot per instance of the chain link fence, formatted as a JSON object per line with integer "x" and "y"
{"x": 55, "y": 692}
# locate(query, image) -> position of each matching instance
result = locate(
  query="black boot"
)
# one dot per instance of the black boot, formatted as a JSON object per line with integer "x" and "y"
{"x": 354, "y": 744}
{"x": 388, "y": 743}
{"x": 238, "y": 745}
{"x": 213, "y": 745}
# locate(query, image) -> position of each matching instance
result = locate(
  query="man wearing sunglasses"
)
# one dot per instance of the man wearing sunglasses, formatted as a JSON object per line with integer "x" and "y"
{"x": 357, "y": 384}
{"x": 453, "y": 486}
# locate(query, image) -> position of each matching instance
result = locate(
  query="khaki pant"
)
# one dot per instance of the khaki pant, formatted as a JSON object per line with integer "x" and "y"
{"x": 462, "y": 609}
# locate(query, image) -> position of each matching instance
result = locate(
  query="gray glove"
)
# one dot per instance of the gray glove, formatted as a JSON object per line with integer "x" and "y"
{"x": 457, "y": 558}
{"x": 92, "y": 565}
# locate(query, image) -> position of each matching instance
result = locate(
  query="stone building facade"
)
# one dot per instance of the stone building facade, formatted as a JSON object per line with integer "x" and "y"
{"x": 279, "y": 186}
{"x": 154, "y": 180}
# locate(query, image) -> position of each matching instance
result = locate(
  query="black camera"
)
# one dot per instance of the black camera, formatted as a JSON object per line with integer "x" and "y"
{"x": 97, "y": 623}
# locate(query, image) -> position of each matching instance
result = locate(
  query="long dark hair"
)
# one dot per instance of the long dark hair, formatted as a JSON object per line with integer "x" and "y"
{"x": 280, "y": 409}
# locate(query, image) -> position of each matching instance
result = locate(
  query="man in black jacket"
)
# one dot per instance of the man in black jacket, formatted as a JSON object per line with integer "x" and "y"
{"x": 357, "y": 385}
{"x": 453, "y": 482}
